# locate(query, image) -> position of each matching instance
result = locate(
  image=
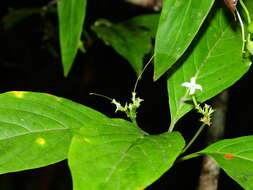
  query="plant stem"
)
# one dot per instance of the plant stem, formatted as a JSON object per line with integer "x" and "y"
{"x": 134, "y": 121}
{"x": 187, "y": 157}
{"x": 101, "y": 95}
{"x": 195, "y": 101}
{"x": 246, "y": 11}
{"x": 145, "y": 67}
{"x": 242, "y": 28}
{"x": 194, "y": 138}
{"x": 171, "y": 127}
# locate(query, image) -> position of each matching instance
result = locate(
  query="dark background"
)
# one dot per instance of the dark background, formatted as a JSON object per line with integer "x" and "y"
{"x": 29, "y": 60}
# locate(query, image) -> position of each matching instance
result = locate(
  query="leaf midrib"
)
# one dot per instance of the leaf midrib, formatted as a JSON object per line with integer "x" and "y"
{"x": 36, "y": 131}
{"x": 228, "y": 153}
{"x": 123, "y": 155}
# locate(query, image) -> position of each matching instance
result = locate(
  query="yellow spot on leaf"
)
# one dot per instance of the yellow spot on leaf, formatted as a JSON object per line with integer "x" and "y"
{"x": 40, "y": 141}
{"x": 19, "y": 94}
{"x": 87, "y": 140}
{"x": 58, "y": 98}
{"x": 140, "y": 188}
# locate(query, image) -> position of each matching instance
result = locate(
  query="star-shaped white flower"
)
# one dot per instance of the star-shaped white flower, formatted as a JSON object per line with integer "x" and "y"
{"x": 192, "y": 85}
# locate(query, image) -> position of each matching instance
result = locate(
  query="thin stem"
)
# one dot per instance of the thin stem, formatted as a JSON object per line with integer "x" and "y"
{"x": 246, "y": 11}
{"x": 134, "y": 121}
{"x": 171, "y": 127}
{"x": 194, "y": 138}
{"x": 103, "y": 96}
{"x": 242, "y": 28}
{"x": 139, "y": 77}
{"x": 187, "y": 157}
{"x": 195, "y": 101}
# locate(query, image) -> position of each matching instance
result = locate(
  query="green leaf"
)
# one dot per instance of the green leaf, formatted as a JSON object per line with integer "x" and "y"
{"x": 235, "y": 157}
{"x": 179, "y": 22}
{"x": 148, "y": 21}
{"x": 36, "y": 129}
{"x": 115, "y": 154}
{"x": 215, "y": 59}
{"x": 131, "y": 42}
{"x": 71, "y": 15}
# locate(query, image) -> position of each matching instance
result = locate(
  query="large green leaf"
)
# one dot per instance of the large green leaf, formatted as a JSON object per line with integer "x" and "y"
{"x": 235, "y": 156}
{"x": 36, "y": 129}
{"x": 215, "y": 60}
{"x": 115, "y": 154}
{"x": 131, "y": 42}
{"x": 179, "y": 22}
{"x": 71, "y": 15}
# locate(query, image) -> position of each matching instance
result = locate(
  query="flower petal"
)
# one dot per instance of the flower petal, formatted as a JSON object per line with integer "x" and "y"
{"x": 197, "y": 86}
{"x": 192, "y": 91}
{"x": 186, "y": 84}
{"x": 193, "y": 80}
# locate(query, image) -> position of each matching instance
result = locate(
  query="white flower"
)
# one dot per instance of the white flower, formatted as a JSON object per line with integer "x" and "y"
{"x": 192, "y": 85}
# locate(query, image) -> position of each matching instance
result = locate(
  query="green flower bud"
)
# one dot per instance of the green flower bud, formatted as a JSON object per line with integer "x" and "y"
{"x": 250, "y": 27}
{"x": 250, "y": 47}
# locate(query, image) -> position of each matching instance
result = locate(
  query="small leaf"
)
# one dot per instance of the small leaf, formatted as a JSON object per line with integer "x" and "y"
{"x": 36, "y": 129}
{"x": 179, "y": 22}
{"x": 71, "y": 15}
{"x": 131, "y": 42}
{"x": 115, "y": 154}
{"x": 235, "y": 157}
{"x": 215, "y": 59}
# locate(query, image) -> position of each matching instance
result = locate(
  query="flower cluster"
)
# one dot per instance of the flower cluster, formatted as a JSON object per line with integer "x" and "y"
{"x": 130, "y": 108}
{"x": 207, "y": 110}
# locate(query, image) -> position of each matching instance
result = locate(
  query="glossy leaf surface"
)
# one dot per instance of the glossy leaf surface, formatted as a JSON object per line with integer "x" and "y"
{"x": 115, "y": 154}
{"x": 71, "y": 15}
{"x": 235, "y": 157}
{"x": 215, "y": 60}
{"x": 36, "y": 129}
{"x": 179, "y": 23}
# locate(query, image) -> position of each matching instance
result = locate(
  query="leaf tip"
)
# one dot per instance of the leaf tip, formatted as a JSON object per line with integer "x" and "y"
{"x": 156, "y": 76}
{"x": 66, "y": 71}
